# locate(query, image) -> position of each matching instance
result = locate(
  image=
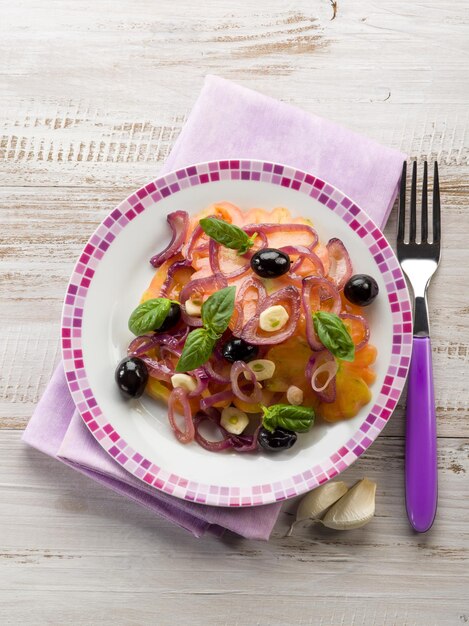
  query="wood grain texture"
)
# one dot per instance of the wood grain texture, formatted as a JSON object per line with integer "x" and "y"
{"x": 92, "y": 97}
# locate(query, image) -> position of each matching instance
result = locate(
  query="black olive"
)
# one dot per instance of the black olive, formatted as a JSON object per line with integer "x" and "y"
{"x": 280, "y": 439}
{"x": 173, "y": 317}
{"x": 239, "y": 350}
{"x": 131, "y": 377}
{"x": 361, "y": 289}
{"x": 270, "y": 263}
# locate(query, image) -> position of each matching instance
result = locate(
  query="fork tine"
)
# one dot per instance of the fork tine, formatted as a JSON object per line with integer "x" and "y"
{"x": 436, "y": 205}
{"x": 401, "y": 217}
{"x": 425, "y": 204}
{"x": 413, "y": 204}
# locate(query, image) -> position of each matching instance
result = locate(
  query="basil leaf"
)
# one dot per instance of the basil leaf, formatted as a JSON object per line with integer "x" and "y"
{"x": 218, "y": 309}
{"x": 227, "y": 235}
{"x": 296, "y": 418}
{"x": 334, "y": 336}
{"x": 149, "y": 315}
{"x": 197, "y": 349}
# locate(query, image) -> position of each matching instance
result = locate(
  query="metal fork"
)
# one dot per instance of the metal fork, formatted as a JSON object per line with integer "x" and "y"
{"x": 419, "y": 262}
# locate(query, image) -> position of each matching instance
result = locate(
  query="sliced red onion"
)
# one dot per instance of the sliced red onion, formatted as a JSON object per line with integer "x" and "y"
{"x": 246, "y": 443}
{"x": 304, "y": 253}
{"x": 237, "y": 369}
{"x": 179, "y": 223}
{"x": 179, "y": 395}
{"x": 142, "y": 344}
{"x": 158, "y": 369}
{"x": 366, "y": 328}
{"x": 168, "y": 281}
{"x": 199, "y": 286}
{"x": 340, "y": 269}
{"x": 212, "y": 446}
{"x": 289, "y": 296}
{"x": 319, "y": 363}
{"x": 214, "y": 376}
{"x": 197, "y": 234}
{"x": 241, "y": 443}
{"x": 263, "y": 229}
{"x": 202, "y": 382}
{"x": 221, "y": 396}
{"x": 322, "y": 289}
{"x": 213, "y": 249}
{"x": 248, "y": 283}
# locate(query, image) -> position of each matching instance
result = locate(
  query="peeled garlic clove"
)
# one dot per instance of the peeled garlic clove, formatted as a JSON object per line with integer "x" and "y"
{"x": 355, "y": 509}
{"x": 295, "y": 395}
{"x": 263, "y": 369}
{"x": 316, "y": 502}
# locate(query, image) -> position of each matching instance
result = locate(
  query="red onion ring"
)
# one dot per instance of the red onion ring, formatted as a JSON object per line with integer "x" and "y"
{"x": 322, "y": 287}
{"x": 212, "y": 446}
{"x": 202, "y": 382}
{"x": 340, "y": 269}
{"x": 288, "y": 295}
{"x": 179, "y": 223}
{"x": 200, "y": 286}
{"x": 288, "y": 228}
{"x": 327, "y": 392}
{"x": 175, "y": 267}
{"x": 249, "y": 282}
{"x": 158, "y": 369}
{"x": 179, "y": 395}
{"x": 304, "y": 253}
{"x": 241, "y": 443}
{"x": 213, "y": 249}
{"x": 142, "y": 344}
{"x": 366, "y": 328}
{"x": 197, "y": 234}
{"x": 221, "y": 396}
{"x": 236, "y": 370}
{"x": 214, "y": 376}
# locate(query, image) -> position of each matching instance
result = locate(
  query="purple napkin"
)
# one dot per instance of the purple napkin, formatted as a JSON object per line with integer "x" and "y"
{"x": 227, "y": 121}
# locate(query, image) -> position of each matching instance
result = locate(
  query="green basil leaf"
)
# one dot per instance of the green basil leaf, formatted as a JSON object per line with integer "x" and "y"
{"x": 218, "y": 309}
{"x": 227, "y": 235}
{"x": 334, "y": 336}
{"x": 296, "y": 418}
{"x": 197, "y": 349}
{"x": 149, "y": 315}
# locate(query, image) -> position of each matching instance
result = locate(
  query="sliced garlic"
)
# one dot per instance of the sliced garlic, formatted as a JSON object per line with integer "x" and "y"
{"x": 194, "y": 309}
{"x": 355, "y": 509}
{"x": 295, "y": 395}
{"x": 316, "y": 502}
{"x": 234, "y": 420}
{"x": 262, "y": 368}
{"x": 184, "y": 381}
{"x": 274, "y": 318}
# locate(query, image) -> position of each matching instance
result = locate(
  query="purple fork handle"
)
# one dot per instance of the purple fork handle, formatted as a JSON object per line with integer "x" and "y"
{"x": 420, "y": 450}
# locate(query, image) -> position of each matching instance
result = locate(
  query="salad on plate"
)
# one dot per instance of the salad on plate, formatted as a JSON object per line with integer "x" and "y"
{"x": 250, "y": 330}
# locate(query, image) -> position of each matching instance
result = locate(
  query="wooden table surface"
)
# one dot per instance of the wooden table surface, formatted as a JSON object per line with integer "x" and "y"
{"x": 92, "y": 97}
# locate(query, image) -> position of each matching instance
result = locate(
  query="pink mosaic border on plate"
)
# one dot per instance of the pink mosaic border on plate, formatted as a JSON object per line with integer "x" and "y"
{"x": 201, "y": 174}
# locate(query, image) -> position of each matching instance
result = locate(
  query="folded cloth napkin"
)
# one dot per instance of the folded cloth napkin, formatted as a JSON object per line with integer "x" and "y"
{"x": 227, "y": 121}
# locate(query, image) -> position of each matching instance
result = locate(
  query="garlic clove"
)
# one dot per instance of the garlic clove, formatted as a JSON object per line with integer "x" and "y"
{"x": 194, "y": 309}
{"x": 234, "y": 420}
{"x": 273, "y": 318}
{"x": 263, "y": 369}
{"x": 355, "y": 509}
{"x": 316, "y": 502}
{"x": 184, "y": 381}
{"x": 295, "y": 395}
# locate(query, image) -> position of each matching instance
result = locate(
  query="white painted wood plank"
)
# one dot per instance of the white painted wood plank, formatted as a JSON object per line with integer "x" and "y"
{"x": 63, "y": 534}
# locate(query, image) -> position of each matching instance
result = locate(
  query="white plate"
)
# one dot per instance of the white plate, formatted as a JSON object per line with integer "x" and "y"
{"x": 114, "y": 270}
